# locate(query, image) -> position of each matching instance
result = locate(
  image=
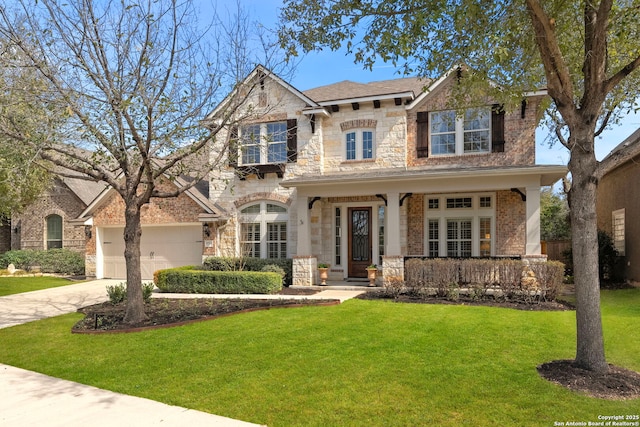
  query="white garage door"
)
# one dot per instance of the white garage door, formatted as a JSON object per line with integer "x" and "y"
{"x": 161, "y": 247}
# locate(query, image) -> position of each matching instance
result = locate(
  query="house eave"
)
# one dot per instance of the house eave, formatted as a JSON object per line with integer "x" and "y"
{"x": 426, "y": 180}
{"x": 402, "y": 95}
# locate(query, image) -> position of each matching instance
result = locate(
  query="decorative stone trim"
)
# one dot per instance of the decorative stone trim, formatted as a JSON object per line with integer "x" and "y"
{"x": 357, "y": 124}
{"x": 254, "y": 197}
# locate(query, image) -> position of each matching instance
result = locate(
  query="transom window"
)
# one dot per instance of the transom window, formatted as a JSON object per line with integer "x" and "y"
{"x": 263, "y": 230}
{"x": 459, "y": 225}
{"x": 264, "y": 143}
{"x": 359, "y": 145}
{"x": 453, "y": 135}
{"x": 54, "y": 232}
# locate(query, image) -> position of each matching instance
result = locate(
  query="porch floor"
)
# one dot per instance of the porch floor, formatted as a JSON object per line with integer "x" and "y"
{"x": 343, "y": 285}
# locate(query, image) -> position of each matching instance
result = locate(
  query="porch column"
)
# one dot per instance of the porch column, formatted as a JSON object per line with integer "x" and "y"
{"x": 304, "y": 265}
{"x": 533, "y": 221}
{"x": 304, "y": 226}
{"x": 393, "y": 224}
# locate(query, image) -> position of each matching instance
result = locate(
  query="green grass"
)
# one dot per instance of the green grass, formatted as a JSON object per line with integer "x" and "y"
{"x": 16, "y": 285}
{"x": 358, "y": 363}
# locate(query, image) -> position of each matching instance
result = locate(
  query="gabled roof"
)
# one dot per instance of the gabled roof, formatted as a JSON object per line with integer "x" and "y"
{"x": 85, "y": 190}
{"x": 348, "y": 91}
{"x": 198, "y": 193}
{"x": 634, "y": 138}
{"x": 259, "y": 72}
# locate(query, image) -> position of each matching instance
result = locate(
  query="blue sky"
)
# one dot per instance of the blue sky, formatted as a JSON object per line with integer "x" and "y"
{"x": 326, "y": 67}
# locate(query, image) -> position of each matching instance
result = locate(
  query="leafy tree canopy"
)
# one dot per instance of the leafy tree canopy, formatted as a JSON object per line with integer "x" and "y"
{"x": 554, "y": 215}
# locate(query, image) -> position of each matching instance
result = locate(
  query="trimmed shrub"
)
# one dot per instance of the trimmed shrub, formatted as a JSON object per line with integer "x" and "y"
{"x": 249, "y": 264}
{"x": 512, "y": 280}
{"x": 21, "y": 259}
{"x": 189, "y": 281}
{"x": 61, "y": 261}
{"x": 117, "y": 293}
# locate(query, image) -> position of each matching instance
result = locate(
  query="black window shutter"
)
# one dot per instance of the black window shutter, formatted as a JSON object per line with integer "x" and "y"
{"x": 233, "y": 147}
{"x": 422, "y": 141}
{"x": 497, "y": 129}
{"x": 292, "y": 140}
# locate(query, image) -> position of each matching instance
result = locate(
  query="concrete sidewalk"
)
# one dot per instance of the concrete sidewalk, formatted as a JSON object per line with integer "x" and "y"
{"x": 31, "y": 399}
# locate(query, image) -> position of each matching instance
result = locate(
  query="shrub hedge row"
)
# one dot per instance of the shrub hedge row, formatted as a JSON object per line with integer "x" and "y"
{"x": 512, "y": 280}
{"x": 249, "y": 264}
{"x": 61, "y": 261}
{"x": 191, "y": 281}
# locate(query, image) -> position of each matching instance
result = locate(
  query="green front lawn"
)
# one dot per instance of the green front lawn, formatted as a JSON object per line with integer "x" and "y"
{"x": 358, "y": 363}
{"x": 17, "y": 285}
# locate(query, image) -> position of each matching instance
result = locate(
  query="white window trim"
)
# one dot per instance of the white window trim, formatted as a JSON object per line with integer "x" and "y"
{"x": 264, "y": 218}
{"x": 474, "y": 213}
{"x": 619, "y": 236}
{"x": 359, "y": 144}
{"x": 459, "y": 135}
{"x": 263, "y": 143}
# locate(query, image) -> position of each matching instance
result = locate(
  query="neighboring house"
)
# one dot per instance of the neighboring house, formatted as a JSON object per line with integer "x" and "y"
{"x": 347, "y": 174}
{"x": 89, "y": 218}
{"x": 618, "y": 209}
{"x": 48, "y": 222}
{"x": 175, "y": 231}
{"x": 355, "y": 174}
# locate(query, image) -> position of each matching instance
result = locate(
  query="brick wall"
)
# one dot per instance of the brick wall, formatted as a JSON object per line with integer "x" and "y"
{"x": 415, "y": 220}
{"x": 511, "y": 223}
{"x": 31, "y": 223}
{"x": 519, "y": 135}
{"x": 5, "y": 237}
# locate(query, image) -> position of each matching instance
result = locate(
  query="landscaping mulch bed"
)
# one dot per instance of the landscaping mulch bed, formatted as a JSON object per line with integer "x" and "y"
{"x": 167, "y": 312}
{"x": 616, "y": 384}
{"x": 537, "y": 306}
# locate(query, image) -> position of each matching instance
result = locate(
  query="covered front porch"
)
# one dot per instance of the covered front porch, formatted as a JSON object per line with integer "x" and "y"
{"x": 351, "y": 221}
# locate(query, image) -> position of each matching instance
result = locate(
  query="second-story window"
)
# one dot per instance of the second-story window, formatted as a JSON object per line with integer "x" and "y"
{"x": 359, "y": 144}
{"x": 264, "y": 143}
{"x": 454, "y": 135}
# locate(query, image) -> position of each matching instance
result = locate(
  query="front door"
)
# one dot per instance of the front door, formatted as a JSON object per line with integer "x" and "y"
{"x": 359, "y": 241}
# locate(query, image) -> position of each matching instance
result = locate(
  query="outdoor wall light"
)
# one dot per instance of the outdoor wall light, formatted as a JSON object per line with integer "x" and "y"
{"x": 87, "y": 231}
{"x": 205, "y": 229}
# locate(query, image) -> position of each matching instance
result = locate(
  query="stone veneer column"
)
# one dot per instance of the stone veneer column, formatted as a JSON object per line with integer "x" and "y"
{"x": 304, "y": 269}
{"x": 392, "y": 269}
{"x": 533, "y": 221}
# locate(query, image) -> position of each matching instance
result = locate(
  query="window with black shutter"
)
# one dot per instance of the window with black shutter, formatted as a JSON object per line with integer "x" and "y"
{"x": 292, "y": 140}
{"x": 422, "y": 142}
{"x": 497, "y": 129}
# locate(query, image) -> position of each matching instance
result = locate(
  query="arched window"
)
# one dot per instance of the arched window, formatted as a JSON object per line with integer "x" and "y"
{"x": 54, "y": 231}
{"x": 263, "y": 230}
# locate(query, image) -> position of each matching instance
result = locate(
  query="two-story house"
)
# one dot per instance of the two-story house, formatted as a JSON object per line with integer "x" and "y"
{"x": 347, "y": 174}
{"x": 355, "y": 174}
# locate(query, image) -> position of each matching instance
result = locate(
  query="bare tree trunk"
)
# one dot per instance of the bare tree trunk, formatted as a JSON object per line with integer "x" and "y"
{"x": 582, "y": 199}
{"x": 132, "y": 235}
